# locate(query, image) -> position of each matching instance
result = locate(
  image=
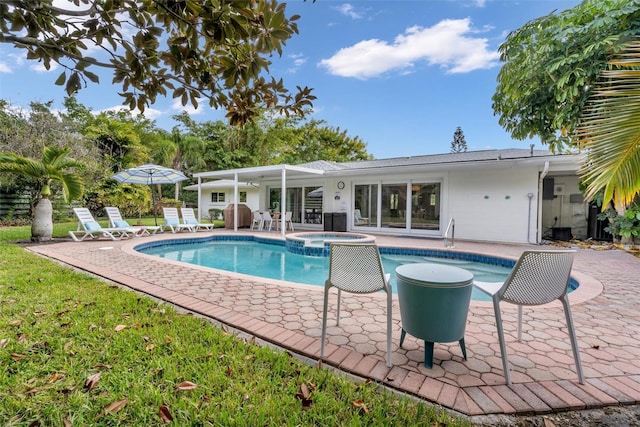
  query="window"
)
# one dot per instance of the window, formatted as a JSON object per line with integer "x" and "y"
{"x": 243, "y": 197}
{"x": 313, "y": 205}
{"x": 218, "y": 197}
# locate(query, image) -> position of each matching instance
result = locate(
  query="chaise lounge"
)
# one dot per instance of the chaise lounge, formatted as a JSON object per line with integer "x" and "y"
{"x": 88, "y": 227}
{"x": 116, "y": 221}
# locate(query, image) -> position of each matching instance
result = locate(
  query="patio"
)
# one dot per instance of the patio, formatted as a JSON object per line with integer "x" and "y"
{"x": 605, "y": 311}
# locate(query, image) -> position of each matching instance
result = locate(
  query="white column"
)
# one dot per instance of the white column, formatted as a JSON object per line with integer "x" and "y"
{"x": 283, "y": 201}
{"x": 235, "y": 202}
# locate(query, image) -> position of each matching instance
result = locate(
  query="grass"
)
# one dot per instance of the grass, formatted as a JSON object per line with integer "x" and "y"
{"x": 77, "y": 351}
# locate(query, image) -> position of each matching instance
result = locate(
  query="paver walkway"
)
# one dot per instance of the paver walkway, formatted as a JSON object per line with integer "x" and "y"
{"x": 606, "y": 311}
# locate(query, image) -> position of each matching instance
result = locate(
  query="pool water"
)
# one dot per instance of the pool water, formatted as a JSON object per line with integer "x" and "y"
{"x": 275, "y": 262}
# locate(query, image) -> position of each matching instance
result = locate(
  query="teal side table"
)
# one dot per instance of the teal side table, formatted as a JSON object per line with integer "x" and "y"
{"x": 434, "y": 303}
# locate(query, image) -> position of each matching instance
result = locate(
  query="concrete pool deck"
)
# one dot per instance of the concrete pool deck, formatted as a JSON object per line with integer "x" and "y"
{"x": 606, "y": 312}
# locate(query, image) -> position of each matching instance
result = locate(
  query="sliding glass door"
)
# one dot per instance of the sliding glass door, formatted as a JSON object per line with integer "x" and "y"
{"x": 418, "y": 211}
{"x": 305, "y": 209}
{"x": 366, "y": 205}
{"x": 425, "y": 206}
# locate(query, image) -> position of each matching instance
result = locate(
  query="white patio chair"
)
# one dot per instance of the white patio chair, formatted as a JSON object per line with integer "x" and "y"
{"x": 172, "y": 221}
{"x": 356, "y": 268}
{"x": 258, "y": 221}
{"x": 88, "y": 227}
{"x": 267, "y": 221}
{"x": 288, "y": 222}
{"x": 189, "y": 217}
{"x": 358, "y": 219}
{"x": 116, "y": 220}
{"x": 538, "y": 277}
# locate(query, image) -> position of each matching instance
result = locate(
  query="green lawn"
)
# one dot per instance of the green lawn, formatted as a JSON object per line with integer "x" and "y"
{"x": 77, "y": 351}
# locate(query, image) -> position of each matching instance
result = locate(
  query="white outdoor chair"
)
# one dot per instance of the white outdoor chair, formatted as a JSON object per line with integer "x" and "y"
{"x": 258, "y": 221}
{"x": 358, "y": 219}
{"x": 538, "y": 277}
{"x": 267, "y": 221}
{"x": 356, "y": 268}
{"x": 172, "y": 221}
{"x": 189, "y": 218}
{"x": 288, "y": 223}
{"x": 116, "y": 221}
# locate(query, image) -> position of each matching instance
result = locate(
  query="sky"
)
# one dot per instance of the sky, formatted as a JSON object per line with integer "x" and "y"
{"x": 400, "y": 75}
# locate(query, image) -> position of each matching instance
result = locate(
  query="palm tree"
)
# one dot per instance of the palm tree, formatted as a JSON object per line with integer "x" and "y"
{"x": 610, "y": 132}
{"x": 54, "y": 166}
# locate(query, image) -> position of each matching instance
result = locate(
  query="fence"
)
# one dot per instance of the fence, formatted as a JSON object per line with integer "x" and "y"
{"x": 14, "y": 204}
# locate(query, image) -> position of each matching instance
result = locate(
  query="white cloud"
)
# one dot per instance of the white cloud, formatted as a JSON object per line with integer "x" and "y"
{"x": 39, "y": 67}
{"x": 11, "y": 61}
{"x": 177, "y": 105}
{"x": 298, "y": 60}
{"x": 149, "y": 113}
{"x": 448, "y": 44}
{"x": 348, "y": 10}
{"x": 480, "y": 3}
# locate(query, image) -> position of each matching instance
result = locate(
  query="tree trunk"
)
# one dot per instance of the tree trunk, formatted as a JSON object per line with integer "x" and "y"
{"x": 42, "y": 224}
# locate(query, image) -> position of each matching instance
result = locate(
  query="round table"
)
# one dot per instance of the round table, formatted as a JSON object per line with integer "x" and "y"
{"x": 434, "y": 303}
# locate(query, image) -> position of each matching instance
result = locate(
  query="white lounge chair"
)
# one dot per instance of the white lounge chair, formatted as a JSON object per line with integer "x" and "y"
{"x": 189, "y": 218}
{"x": 88, "y": 227}
{"x": 116, "y": 221}
{"x": 356, "y": 268}
{"x": 172, "y": 221}
{"x": 538, "y": 277}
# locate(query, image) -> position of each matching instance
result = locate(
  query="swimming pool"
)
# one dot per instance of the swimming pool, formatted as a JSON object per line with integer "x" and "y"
{"x": 270, "y": 258}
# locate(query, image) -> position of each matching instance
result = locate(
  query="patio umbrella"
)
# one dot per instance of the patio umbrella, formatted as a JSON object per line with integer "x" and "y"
{"x": 317, "y": 193}
{"x": 149, "y": 174}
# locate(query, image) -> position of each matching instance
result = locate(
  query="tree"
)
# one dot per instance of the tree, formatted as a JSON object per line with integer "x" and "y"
{"x": 318, "y": 141}
{"x": 25, "y": 132}
{"x": 55, "y": 165}
{"x": 611, "y": 124}
{"x": 459, "y": 144}
{"x": 551, "y": 66}
{"x": 214, "y": 50}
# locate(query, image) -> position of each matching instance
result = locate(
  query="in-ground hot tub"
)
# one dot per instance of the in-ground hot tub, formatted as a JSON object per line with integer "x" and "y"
{"x": 318, "y": 243}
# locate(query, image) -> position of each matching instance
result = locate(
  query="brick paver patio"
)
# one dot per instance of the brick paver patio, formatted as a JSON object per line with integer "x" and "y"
{"x": 605, "y": 308}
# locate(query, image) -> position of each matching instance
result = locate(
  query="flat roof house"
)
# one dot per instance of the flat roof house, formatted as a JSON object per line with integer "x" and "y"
{"x": 507, "y": 195}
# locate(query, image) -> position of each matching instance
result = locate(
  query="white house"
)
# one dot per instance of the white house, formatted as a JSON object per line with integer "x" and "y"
{"x": 220, "y": 193}
{"x": 509, "y": 195}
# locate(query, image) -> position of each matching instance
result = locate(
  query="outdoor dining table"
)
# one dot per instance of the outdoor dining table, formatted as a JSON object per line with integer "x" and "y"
{"x": 434, "y": 303}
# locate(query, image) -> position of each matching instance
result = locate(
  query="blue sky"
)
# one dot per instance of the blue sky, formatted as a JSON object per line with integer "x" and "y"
{"x": 401, "y": 75}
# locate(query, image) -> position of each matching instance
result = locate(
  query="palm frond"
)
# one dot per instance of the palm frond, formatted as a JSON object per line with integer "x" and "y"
{"x": 610, "y": 131}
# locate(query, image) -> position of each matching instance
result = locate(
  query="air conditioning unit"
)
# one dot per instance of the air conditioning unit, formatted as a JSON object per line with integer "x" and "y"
{"x": 558, "y": 190}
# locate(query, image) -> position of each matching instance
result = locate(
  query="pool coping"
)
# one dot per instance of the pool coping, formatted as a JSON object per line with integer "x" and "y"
{"x": 587, "y": 289}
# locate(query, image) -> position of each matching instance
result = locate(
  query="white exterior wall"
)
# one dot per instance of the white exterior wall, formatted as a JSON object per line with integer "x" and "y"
{"x": 253, "y": 199}
{"x": 493, "y": 205}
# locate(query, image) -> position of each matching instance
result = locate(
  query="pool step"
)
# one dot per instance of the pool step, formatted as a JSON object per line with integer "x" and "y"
{"x": 314, "y": 244}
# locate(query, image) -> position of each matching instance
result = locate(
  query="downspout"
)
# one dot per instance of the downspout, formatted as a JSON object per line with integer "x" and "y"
{"x": 543, "y": 174}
